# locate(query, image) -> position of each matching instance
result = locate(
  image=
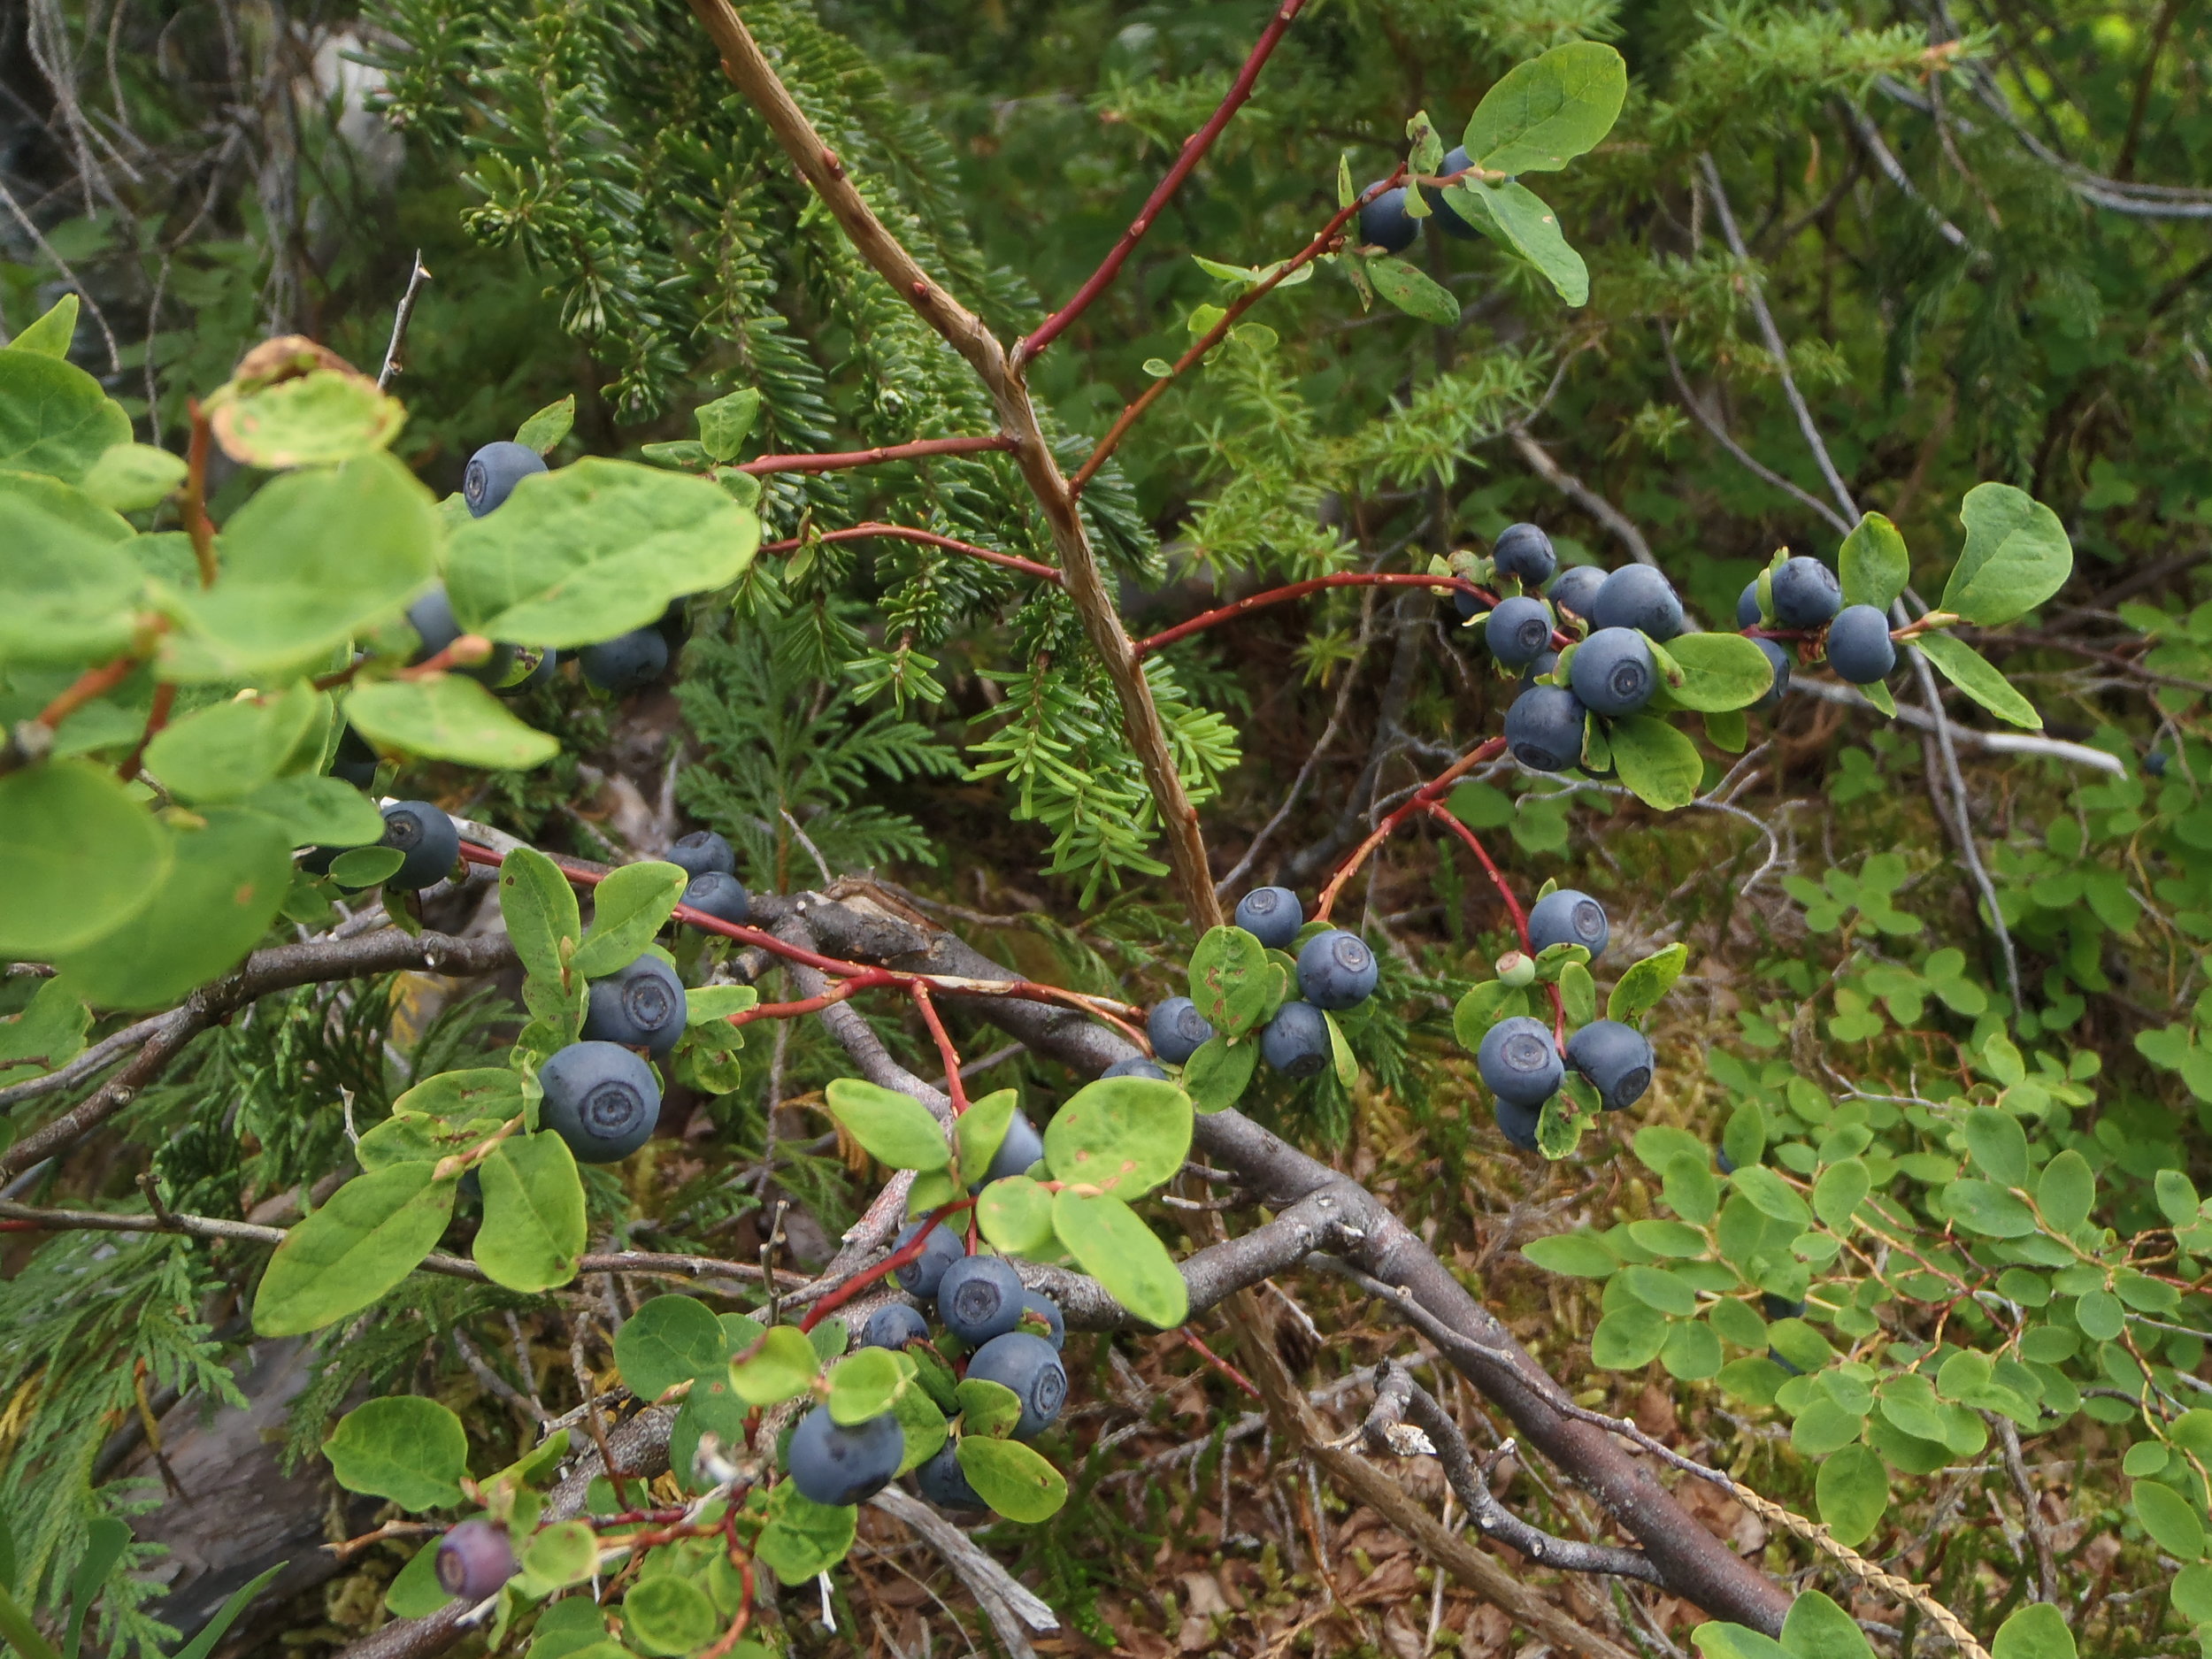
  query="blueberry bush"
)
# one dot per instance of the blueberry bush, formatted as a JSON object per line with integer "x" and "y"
{"x": 509, "y": 948}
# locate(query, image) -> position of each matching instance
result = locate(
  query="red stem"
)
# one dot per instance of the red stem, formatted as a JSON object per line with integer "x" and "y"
{"x": 946, "y": 1052}
{"x": 1299, "y": 590}
{"x": 194, "y": 505}
{"x": 157, "y": 717}
{"x": 903, "y": 533}
{"x": 871, "y": 457}
{"x": 1195, "y": 149}
{"x": 837, "y": 993}
{"x": 1242, "y": 303}
{"x": 93, "y": 682}
{"x": 1443, "y": 815}
{"x": 1431, "y": 791}
{"x": 911, "y": 1251}
{"x": 1218, "y": 1364}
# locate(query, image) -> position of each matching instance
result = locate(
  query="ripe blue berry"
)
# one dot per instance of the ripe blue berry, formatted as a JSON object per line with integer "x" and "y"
{"x": 626, "y": 662}
{"x": 1546, "y": 661}
{"x": 1722, "y": 1162}
{"x": 427, "y": 837}
{"x": 1543, "y": 728}
{"x": 641, "y": 1006}
{"x": 600, "y": 1098}
{"x": 1178, "y": 1030}
{"x": 1779, "y": 660}
{"x": 1806, "y": 593}
{"x": 1793, "y": 1371}
{"x": 474, "y": 1559}
{"x": 1638, "y": 596}
{"x": 2155, "y": 765}
{"x": 1748, "y": 605}
{"x": 1613, "y": 673}
{"x": 1295, "y": 1042}
{"x": 1616, "y": 1057}
{"x": 1517, "y": 1124}
{"x": 1526, "y": 551}
{"x": 1519, "y": 1061}
{"x": 1576, "y": 589}
{"x": 1022, "y": 1147}
{"x": 355, "y": 761}
{"x": 893, "y": 1324}
{"x": 1859, "y": 646}
{"x": 702, "y": 852}
{"x": 944, "y": 1483}
{"x": 720, "y": 895}
{"x": 431, "y": 618}
{"x": 1519, "y": 631}
{"x": 1135, "y": 1065}
{"x": 979, "y": 1297}
{"x": 926, "y": 1273}
{"x": 1447, "y": 218}
{"x": 1337, "y": 970}
{"x": 1465, "y": 603}
{"x": 1780, "y": 1307}
{"x": 1028, "y": 1365}
{"x": 1272, "y": 916}
{"x": 833, "y": 1464}
{"x": 1036, "y": 1306}
{"x": 1565, "y": 916}
{"x": 493, "y": 472}
{"x": 1384, "y": 222}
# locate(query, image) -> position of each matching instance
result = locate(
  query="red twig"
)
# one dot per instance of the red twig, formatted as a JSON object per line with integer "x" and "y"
{"x": 157, "y": 717}
{"x": 946, "y": 1052}
{"x": 837, "y": 993}
{"x": 904, "y": 532}
{"x": 744, "y": 1565}
{"x": 1443, "y": 815}
{"x": 1195, "y": 149}
{"x": 194, "y": 505}
{"x": 1433, "y": 790}
{"x": 1217, "y": 1363}
{"x": 466, "y": 652}
{"x": 93, "y": 682}
{"x": 1299, "y": 590}
{"x": 1213, "y": 337}
{"x": 911, "y": 1251}
{"x": 871, "y": 457}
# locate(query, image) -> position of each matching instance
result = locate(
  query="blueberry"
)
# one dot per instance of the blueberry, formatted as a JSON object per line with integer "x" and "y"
{"x": 1576, "y": 589}
{"x": 1722, "y": 1162}
{"x": 1465, "y": 603}
{"x": 1613, "y": 672}
{"x": 1022, "y": 1147}
{"x": 1384, "y": 222}
{"x": 1028, "y": 1365}
{"x": 1517, "y": 1124}
{"x": 641, "y": 1006}
{"x": 1036, "y": 1305}
{"x": 1616, "y": 1057}
{"x": 944, "y": 1483}
{"x": 1272, "y": 916}
{"x": 720, "y": 895}
{"x": 600, "y": 1098}
{"x": 427, "y": 837}
{"x": 1526, "y": 551}
{"x": 1794, "y": 1370}
{"x": 1519, "y": 631}
{"x": 1565, "y": 916}
{"x": 474, "y": 1559}
{"x": 1178, "y": 1030}
{"x": 893, "y": 1324}
{"x": 1748, "y": 605}
{"x": 1520, "y": 1062}
{"x": 1546, "y": 661}
{"x": 1447, "y": 218}
{"x": 1779, "y": 660}
{"x": 922, "y": 1276}
{"x": 1859, "y": 646}
{"x": 1806, "y": 593}
{"x": 832, "y": 1463}
{"x": 1780, "y": 1307}
{"x": 1337, "y": 970}
{"x": 355, "y": 761}
{"x": 701, "y": 853}
{"x": 1543, "y": 728}
{"x": 493, "y": 472}
{"x": 626, "y": 662}
{"x": 1296, "y": 1041}
{"x": 979, "y": 1297}
{"x": 1638, "y": 596}
{"x": 432, "y": 617}
{"x": 1135, "y": 1065}
{"x": 2155, "y": 765}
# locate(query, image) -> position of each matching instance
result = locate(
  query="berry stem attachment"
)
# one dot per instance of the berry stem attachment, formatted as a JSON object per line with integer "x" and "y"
{"x": 1443, "y": 815}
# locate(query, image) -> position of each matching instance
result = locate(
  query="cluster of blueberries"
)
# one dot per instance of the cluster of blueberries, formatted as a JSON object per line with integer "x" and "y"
{"x": 1011, "y": 1336}
{"x": 1384, "y": 222}
{"x": 1335, "y": 971}
{"x": 1618, "y": 615}
{"x": 1521, "y": 1065}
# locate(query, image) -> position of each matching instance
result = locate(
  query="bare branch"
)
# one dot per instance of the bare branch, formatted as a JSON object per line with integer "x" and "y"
{"x": 418, "y": 275}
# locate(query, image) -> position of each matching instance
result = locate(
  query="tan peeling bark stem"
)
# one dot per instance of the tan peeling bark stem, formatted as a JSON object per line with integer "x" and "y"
{"x": 750, "y": 71}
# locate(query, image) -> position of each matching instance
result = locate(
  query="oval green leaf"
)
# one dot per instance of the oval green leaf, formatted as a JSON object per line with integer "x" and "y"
{"x": 896, "y": 1129}
{"x": 1111, "y": 1243}
{"x": 374, "y": 1231}
{"x": 1123, "y": 1136}
{"x": 411, "y": 1450}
